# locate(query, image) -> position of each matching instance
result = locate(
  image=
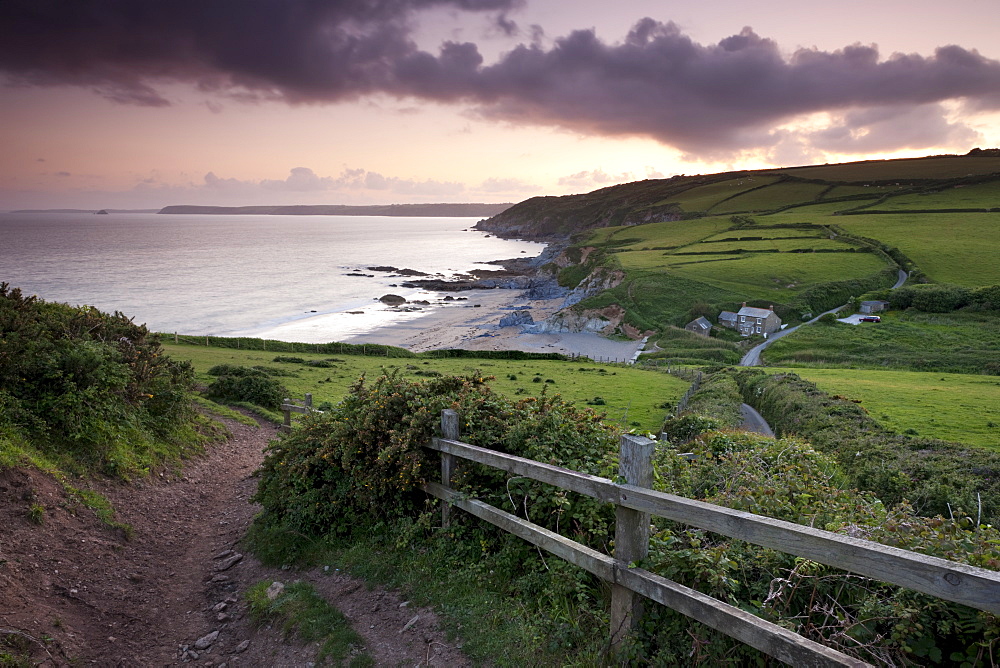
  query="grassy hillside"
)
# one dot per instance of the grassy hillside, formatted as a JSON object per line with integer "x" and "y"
{"x": 804, "y": 239}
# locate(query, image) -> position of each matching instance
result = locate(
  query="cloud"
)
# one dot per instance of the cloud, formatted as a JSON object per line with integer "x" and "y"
{"x": 496, "y": 185}
{"x": 292, "y": 50}
{"x": 595, "y": 178}
{"x": 884, "y": 128}
{"x": 710, "y": 100}
{"x": 301, "y": 179}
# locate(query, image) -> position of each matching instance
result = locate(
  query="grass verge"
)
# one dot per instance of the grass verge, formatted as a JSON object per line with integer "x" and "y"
{"x": 300, "y": 610}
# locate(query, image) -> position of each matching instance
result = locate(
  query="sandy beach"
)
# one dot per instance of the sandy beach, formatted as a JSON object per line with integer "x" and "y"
{"x": 469, "y": 320}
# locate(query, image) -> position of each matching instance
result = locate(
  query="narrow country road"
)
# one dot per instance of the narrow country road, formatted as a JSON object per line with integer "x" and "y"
{"x": 752, "y": 358}
{"x": 754, "y": 421}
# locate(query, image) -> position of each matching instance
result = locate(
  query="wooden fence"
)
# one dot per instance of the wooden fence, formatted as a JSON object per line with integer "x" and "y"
{"x": 635, "y": 503}
{"x": 289, "y": 407}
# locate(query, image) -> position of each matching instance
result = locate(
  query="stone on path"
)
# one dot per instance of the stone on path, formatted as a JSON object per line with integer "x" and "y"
{"x": 205, "y": 642}
{"x": 274, "y": 591}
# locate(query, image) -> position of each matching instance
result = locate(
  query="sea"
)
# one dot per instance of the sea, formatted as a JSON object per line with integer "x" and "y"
{"x": 240, "y": 275}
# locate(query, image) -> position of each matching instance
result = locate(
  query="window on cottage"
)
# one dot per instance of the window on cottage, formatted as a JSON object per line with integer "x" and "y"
{"x": 743, "y": 318}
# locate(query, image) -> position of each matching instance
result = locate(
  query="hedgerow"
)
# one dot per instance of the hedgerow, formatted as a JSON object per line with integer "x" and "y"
{"x": 936, "y": 476}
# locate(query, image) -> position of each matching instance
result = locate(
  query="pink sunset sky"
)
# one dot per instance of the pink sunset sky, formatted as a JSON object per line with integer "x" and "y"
{"x": 146, "y": 103}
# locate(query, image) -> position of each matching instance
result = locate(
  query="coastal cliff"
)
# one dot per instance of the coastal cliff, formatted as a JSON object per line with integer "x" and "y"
{"x": 560, "y": 218}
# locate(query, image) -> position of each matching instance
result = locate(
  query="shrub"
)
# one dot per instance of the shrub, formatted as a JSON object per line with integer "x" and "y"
{"x": 362, "y": 462}
{"x": 76, "y": 379}
{"x": 248, "y": 384}
{"x": 931, "y": 298}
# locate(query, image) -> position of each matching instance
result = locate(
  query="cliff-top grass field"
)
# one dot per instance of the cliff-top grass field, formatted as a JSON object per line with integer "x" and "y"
{"x": 629, "y": 396}
{"x": 952, "y": 407}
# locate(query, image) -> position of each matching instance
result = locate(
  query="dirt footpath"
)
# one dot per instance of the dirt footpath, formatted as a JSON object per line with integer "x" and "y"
{"x": 75, "y": 590}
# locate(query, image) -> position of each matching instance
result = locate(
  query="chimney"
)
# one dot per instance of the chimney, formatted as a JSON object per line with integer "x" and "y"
{"x": 771, "y": 307}
{"x": 744, "y": 303}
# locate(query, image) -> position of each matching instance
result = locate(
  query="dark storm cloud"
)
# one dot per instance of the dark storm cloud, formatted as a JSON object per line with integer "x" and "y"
{"x": 297, "y": 50}
{"x": 661, "y": 84}
{"x": 657, "y": 82}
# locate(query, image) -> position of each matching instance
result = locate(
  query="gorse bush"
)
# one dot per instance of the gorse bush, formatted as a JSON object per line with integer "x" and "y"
{"x": 362, "y": 462}
{"x": 74, "y": 378}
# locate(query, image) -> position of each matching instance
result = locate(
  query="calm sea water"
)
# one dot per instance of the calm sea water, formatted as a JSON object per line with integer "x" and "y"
{"x": 228, "y": 275}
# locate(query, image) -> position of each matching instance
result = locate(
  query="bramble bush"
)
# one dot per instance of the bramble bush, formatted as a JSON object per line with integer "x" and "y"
{"x": 76, "y": 379}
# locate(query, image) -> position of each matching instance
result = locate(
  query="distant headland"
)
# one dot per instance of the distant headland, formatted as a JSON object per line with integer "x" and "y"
{"x": 412, "y": 210}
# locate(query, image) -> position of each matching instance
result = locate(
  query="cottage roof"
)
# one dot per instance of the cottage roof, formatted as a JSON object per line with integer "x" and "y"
{"x": 755, "y": 312}
{"x": 727, "y": 315}
{"x": 876, "y": 301}
{"x": 701, "y": 322}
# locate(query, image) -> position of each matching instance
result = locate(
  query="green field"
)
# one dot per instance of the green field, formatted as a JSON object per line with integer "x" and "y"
{"x": 771, "y": 197}
{"x": 882, "y": 170}
{"x": 658, "y": 235}
{"x": 908, "y": 340}
{"x": 959, "y": 248}
{"x": 633, "y": 396}
{"x": 703, "y": 198}
{"x": 770, "y": 233}
{"x": 777, "y": 245}
{"x": 777, "y": 276}
{"x": 949, "y": 406}
{"x": 973, "y": 196}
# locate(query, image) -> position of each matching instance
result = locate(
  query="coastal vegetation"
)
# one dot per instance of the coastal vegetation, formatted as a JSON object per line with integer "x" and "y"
{"x": 803, "y": 239}
{"x": 83, "y": 391}
{"x": 350, "y": 476}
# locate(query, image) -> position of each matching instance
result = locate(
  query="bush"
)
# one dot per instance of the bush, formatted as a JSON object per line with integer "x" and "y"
{"x": 359, "y": 468}
{"x": 76, "y": 379}
{"x": 362, "y": 462}
{"x": 930, "y": 298}
{"x": 248, "y": 384}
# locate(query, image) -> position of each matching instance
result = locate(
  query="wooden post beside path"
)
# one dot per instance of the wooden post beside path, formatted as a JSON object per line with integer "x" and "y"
{"x": 635, "y": 465}
{"x": 449, "y": 430}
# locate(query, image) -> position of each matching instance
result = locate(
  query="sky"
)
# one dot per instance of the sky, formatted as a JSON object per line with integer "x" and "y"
{"x": 147, "y": 103}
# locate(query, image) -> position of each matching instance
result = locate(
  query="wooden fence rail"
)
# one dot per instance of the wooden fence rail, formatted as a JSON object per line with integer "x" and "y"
{"x": 289, "y": 407}
{"x": 635, "y": 503}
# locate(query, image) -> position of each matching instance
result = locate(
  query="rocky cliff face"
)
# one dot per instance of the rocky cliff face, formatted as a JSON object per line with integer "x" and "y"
{"x": 595, "y": 283}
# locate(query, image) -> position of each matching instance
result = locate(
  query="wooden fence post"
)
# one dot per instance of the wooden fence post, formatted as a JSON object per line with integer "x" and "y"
{"x": 635, "y": 465}
{"x": 449, "y": 430}
{"x": 287, "y": 427}
{"x": 309, "y": 400}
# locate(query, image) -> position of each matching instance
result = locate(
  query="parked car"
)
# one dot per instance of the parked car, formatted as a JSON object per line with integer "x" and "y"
{"x": 870, "y": 318}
